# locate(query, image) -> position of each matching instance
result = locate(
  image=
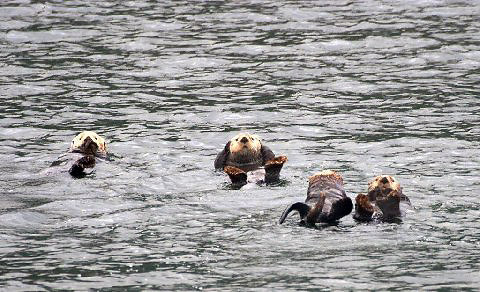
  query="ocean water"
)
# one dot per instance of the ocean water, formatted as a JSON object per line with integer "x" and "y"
{"x": 361, "y": 87}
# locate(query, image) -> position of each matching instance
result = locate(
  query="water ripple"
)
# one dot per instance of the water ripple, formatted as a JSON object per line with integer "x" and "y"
{"x": 362, "y": 87}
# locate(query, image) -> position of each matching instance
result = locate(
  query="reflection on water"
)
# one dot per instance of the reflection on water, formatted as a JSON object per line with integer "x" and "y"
{"x": 360, "y": 87}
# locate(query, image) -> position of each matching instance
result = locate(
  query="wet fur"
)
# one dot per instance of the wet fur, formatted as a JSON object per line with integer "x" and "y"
{"x": 245, "y": 153}
{"x": 82, "y": 144}
{"x": 326, "y": 200}
{"x": 382, "y": 202}
{"x": 90, "y": 145}
{"x": 82, "y": 155}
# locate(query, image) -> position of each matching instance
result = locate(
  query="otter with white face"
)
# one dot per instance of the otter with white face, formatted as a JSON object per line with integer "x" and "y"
{"x": 89, "y": 143}
{"x": 326, "y": 200}
{"x": 382, "y": 202}
{"x": 245, "y": 153}
{"x": 84, "y": 150}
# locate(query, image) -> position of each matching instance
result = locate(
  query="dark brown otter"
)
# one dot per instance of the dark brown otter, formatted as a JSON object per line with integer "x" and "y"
{"x": 326, "y": 200}
{"x": 245, "y": 153}
{"x": 382, "y": 201}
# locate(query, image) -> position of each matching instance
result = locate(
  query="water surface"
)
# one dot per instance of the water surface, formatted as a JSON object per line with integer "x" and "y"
{"x": 363, "y": 87}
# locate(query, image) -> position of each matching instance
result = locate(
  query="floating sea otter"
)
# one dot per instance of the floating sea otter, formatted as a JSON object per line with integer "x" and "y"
{"x": 84, "y": 149}
{"x": 326, "y": 200}
{"x": 382, "y": 201}
{"x": 245, "y": 153}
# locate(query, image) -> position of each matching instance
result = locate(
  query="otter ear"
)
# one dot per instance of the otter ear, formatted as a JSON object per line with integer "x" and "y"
{"x": 222, "y": 157}
{"x": 267, "y": 154}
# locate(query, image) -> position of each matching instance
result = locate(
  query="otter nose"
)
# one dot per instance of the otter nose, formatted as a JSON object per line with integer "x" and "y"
{"x": 89, "y": 147}
{"x": 244, "y": 140}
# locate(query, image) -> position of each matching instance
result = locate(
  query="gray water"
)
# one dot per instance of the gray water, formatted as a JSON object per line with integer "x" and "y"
{"x": 361, "y": 87}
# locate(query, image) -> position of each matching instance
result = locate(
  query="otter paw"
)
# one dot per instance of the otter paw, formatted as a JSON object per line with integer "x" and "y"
{"x": 389, "y": 204}
{"x": 87, "y": 161}
{"x": 363, "y": 208}
{"x": 78, "y": 168}
{"x": 237, "y": 176}
{"x": 273, "y": 168}
{"x": 277, "y": 161}
{"x": 90, "y": 143}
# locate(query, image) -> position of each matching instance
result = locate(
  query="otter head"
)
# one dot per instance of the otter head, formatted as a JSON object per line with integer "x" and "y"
{"x": 245, "y": 149}
{"x": 90, "y": 143}
{"x": 244, "y": 143}
{"x": 381, "y": 186}
{"x": 387, "y": 193}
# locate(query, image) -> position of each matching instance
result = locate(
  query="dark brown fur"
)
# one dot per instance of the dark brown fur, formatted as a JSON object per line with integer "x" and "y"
{"x": 326, "y": 200}
{"x": 382, "y": 201}
{"x": 81, "y": 158}
{"x": 245, "y": 153}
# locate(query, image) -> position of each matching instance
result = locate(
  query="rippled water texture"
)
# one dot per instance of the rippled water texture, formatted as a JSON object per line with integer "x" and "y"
{"x": 362, "y": 87}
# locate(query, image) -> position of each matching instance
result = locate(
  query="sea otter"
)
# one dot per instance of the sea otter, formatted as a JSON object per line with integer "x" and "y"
{"x": 85, "y": 148}
{"x": 245, "y": 153}
{"x": 326, "y": 200}
{"x": 382, "y": 201}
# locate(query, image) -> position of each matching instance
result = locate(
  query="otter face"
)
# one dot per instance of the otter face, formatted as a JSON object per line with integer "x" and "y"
{"x": 89, "y": 142}
{"x": 381, "y": 186}
{"x": 245, "y": 144}
{"x": 245, "y": 151}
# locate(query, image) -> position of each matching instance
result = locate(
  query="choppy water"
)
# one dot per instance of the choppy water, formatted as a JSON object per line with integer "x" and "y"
{"x": 362, "y": 87}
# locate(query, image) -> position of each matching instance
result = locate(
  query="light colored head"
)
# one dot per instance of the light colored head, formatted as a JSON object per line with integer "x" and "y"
{"x": 244, "y": 143}
{"x": 383, "y": 185}
{"x": 81, "y": 143}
